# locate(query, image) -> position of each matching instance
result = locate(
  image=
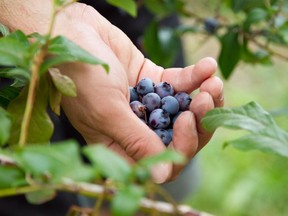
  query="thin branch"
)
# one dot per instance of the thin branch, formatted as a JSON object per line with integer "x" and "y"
{"x": 96, "y": 191}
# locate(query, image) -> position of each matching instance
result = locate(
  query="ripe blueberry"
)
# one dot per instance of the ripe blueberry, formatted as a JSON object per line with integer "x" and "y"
{"x": 145, "y": 86}
{"x": 159, "y": 119}
{"x": 138, "y": 108}
{"x": 183, "y": 99}
{"x": 164, "y": 89}
{"x": 211, "y": 25}
{"x": 170, "y": 104}
{"x": 151, "y": 101}
{"x": 164, "y": 135}
{"x": 133, "y": 94}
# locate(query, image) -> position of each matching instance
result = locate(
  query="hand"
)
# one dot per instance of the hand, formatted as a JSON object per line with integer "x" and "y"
{"x": 101, "y": 111}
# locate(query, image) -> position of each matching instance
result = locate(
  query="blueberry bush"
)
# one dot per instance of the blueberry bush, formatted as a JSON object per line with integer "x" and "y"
{"x": 30, "y": 165}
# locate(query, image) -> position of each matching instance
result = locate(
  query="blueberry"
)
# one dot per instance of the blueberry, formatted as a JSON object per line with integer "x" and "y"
{"x": 211, "y": 25}
{"x": 145, "y": 86}
{"x": 164, "y": 135}
{"x": 159, "y": 119}
{"x": 175, "y": 117}
{"x": 151, "y": 101}
{"x": 170, "y": 105}
{"x": 133, "y": 94}
{"x": 164, "y": 89}
{"x": 170, "y": 131}
{"x": 184, "y": 100}
{"x": 138, "y": 108}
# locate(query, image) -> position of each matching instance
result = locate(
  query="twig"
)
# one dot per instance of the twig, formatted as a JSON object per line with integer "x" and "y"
{"x": 96, "y": 191}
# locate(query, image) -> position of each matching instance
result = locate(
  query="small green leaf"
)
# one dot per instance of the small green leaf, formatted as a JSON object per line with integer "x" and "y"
{"x": 7, "y": 94}
{"x": 129, "y": 6}
{"x": 41, "y": 127}
{"x": 230, "y": 52}
{"x": 40, "y": 197}
{"x": 63, "y": 50}
{"x": 12, "y": 52}
{"x": 265, "y": 135}
{"x": 9, "y": 176}
{"x": 4, "y": 31}
{"x": 5, "y": 125}
{"x": 108, "y": 163}
{"x": 54, "y": 163}
{"x": 126, "y": 201}
{"x": 54, "y": 98}
{"x": 166, "y": 156}
{"x": 63, "y": 83}
{"x": 18, "y": 74}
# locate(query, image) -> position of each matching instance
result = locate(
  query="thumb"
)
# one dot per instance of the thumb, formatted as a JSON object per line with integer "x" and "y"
{"x": 138, "y": 140}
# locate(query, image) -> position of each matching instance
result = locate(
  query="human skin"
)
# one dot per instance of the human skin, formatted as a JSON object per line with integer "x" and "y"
{"x": 101, "y": 111}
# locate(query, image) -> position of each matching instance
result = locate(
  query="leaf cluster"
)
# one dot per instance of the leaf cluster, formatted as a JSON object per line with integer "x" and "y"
{"x": 248, "y": 31}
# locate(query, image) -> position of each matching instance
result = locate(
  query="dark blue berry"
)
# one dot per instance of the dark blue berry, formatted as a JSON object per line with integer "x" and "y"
{"x": 138, "y": 108}
{"x": 164, "y": 89}
{"x": 164, "y": 135}
{"x": 175, "y": 117}
{"x": 170, "y": 105}
{"x": 159, "y": 119}
{"x": 145, "y": 86}
{"x": 183, "y": 99}
{"x": 211, "y": 25}
{"x": 133, "y": 94}
{"x": 151, "y": 101}
{"x": 170, "y": 131}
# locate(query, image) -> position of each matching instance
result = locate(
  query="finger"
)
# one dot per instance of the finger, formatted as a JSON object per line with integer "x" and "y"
{"x": 214, "y": 86}
{"x": 185, "y": 138}
{"x": 190, "y": 78}
{"x": 137, "y": 139}
{"x": 200, "y": 105}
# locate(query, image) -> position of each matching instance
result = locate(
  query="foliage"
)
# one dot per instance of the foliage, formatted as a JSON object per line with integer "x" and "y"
{"x": 248, "y": 31}
{"x": 30, "y": 165}
{"x": 265, "y": 134}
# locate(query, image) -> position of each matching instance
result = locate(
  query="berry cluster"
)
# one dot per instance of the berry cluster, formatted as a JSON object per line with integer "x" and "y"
{"x": 158, "y": 106}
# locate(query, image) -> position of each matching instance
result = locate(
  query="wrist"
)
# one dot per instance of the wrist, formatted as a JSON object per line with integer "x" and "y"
{"x": 26, "y": 15}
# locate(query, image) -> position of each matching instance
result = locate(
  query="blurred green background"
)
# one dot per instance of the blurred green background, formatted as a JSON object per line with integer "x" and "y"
{"x": 233, "y": 182}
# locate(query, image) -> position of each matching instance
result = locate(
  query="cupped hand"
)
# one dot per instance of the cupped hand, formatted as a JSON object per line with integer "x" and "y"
{"x": 101, "y": 111}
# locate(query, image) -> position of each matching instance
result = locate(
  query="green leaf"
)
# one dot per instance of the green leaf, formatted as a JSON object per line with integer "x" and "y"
{"x": 162, "y": 45}
{"x": 4, "y": 31}
{"x": 166, "y": 156}
{"x": 251, "y": 117}
{"x": 9, "y": 176}
{"x": 165, "y": 8}
{"x": 254, "y": 16}
{"x": 17, "y": 74}
{"x": 63, "y": 83}
{"x": 264, "y": 135}
{"x": 5, "y": 125}
{"x": 108, "y": 163}
{"x": 230, "y": 52}
{"x": 269, "y": 140}
{"x": 64, "y": 51}
{"x": 129, "y": 6}
{"x": 54, "y": 163}
{"x": 12, "y": 52}
{"x": 54, "y": 98}
{"x": 246, "y": 5}
{"x": 126, "y": 201}
{"x": 7, "y": 94}
{"x": 40, "y": 197}
{"x": 40, "y": 127}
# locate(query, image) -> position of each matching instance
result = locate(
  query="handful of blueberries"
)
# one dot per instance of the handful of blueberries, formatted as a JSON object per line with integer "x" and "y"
{"x": 158, "y": 106}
